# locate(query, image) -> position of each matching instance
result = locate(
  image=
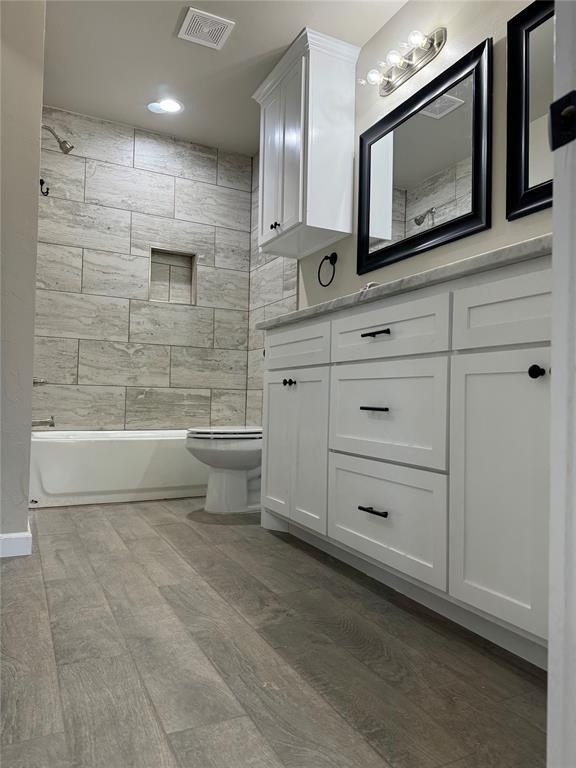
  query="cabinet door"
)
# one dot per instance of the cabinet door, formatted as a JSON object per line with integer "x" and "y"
{"x": 278, "y": 442}
{"x": 310, "y": 476}
{"x": 271, "y": 139}
{"x": 293, "y": 157}
{"x": 499, "y": 478}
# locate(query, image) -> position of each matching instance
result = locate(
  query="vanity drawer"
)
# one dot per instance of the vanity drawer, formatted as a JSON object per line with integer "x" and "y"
{"x": 393, "y": 410}
{"x": 409, "y": 534}
{"x": 510, "y": 311}
{"x": 304, "y": 344}
{"x": 411, "y": 328}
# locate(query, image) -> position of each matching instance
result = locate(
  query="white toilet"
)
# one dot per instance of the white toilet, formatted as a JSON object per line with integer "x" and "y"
{"x": 233, "y": 455}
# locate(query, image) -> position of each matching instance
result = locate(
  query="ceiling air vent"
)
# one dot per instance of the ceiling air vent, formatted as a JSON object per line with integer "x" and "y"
{"x": 442, "y": 106}
{"x": 205, "y": 29}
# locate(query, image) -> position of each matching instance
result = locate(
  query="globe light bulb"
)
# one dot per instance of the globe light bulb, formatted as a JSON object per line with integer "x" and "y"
{"x": 418, "y": 39}
{"x": 394, "y": 59}
{"x": 373, "y": 77}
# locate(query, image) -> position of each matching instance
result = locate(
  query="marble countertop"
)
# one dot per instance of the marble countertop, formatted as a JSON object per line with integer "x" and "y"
{"x": 501, "y": 257}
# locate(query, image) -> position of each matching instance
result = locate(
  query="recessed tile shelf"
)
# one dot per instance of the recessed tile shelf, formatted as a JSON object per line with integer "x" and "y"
{"x": 172, "y": 277}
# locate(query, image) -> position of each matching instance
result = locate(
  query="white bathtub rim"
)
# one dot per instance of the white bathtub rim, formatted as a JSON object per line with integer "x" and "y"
{"x": 105, "y": 434}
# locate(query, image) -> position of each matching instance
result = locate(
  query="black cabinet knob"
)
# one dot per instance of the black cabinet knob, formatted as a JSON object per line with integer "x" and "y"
{"x": 290, "y": 382}
{"x": 284, "y": 382}
{"x": 275, "y": 225}
{"x": 271, "y": 226}
{"x": 536, "y": 371}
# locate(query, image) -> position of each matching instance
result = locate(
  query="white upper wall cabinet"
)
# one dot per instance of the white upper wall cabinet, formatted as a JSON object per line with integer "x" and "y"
{"x": 307, "y": 146}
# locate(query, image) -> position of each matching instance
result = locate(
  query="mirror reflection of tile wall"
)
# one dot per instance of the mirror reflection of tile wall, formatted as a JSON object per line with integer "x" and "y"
{"x": 117, "y": 351}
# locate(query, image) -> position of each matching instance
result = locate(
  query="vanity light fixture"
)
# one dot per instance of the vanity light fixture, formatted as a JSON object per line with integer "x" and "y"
{"x": 399, "y": 67}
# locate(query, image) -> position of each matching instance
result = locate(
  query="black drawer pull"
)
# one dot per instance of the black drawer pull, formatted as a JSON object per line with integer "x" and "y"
{"x": 374, "y": 408}
{"x": 373, "y": 334}
{"x": 372, "y": 511}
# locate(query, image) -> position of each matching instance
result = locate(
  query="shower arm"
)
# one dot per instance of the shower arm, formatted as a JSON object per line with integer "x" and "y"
{"x": 52, "y": 131}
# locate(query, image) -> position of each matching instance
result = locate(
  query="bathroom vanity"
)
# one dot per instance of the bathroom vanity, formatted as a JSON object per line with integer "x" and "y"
{"x": 407, "y": 425}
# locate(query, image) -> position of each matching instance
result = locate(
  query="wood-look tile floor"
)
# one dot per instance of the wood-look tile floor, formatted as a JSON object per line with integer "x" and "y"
{"x": 153, "y": 635}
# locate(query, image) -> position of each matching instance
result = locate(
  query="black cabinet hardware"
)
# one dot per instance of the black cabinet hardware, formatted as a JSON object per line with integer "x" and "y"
{"x": 536, "y": 371}
{"x": 275, "y": 225}
{"x": 285, "y": 381}
{"x": 373, "y": 334}
{"x": 291, "y": 381}
{"x": 374, "y": 408}
{"x": 372, "y": 511}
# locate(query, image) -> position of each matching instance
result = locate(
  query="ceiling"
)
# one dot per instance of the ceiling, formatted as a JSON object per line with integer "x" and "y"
{"x": 109, "y": 59}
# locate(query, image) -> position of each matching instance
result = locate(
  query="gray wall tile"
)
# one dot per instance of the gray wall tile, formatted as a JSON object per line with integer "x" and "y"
{"x": 210, "y": 204}
{"x": 234, "y": 170}
{"x": 63, "y": 174}
{"x": 167, "y": 408}
{"x": 159, "y": 282}
{"x": 254, "y": 408}
{"x": 290, "y": 278}
{"x": 225, "y": 288}
{"x": 290, "y": 304}
{"x": 228, "y": 407}
{"x": 232, "y": 249}
{"x": 267, "y": 283}
{"x": 76, "y": 407}
{"x": 129, "y": 189}
{"x": 255, "y": 172}
{"x": 255, "y": 369}
{"x": 107, "y": 362}
{"x": 180, "y": 285}
{"x": 59, "y": 267}
{"x": 98, "y": 139}
{"x": 257, "y": 258}
{"x": 217, "y": 368}
{"x": 159, "y": 323}
{"x": 81, "y": 316}
{"x": 56, "y": 360}
{"x": 230, "y": 329}
{"x": 89, "y": 226}
{"x": 255, "y": 338}
{"x": 115, "y": 274}
{"x": 177, "y": 158}
{"x": 172, "y": 235}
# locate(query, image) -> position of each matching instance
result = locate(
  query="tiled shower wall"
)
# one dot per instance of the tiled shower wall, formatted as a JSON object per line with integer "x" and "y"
{"x": 113, "y": 358}
{"x": 273, "y": 292}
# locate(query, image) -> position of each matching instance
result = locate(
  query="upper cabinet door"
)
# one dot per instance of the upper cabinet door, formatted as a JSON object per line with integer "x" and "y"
{"x": 293, "y": 157}
{"x": 499, "y": 484}
{"x": 271, "y": 140}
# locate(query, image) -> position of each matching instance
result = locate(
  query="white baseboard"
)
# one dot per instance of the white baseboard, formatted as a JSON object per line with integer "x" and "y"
{"x": 15, "y": 544}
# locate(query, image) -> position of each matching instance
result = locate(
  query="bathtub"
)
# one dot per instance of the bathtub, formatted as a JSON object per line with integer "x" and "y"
{"x": 69, "y": 468}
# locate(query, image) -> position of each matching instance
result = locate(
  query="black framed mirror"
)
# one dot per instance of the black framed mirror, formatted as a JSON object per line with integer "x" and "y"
{"x": 530, "y": 93}
{"x": 425, "y": 169}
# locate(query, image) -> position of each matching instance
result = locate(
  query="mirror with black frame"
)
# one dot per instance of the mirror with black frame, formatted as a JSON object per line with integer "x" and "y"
{"x": 425, "y": 167}
{"x": 530, "y": 93}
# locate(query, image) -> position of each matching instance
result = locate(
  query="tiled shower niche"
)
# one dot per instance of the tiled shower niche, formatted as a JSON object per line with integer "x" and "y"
{"x": 172, "y": 277}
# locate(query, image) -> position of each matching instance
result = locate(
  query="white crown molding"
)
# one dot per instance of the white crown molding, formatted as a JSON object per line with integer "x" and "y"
{"x": 307, "y": 40}
{"x": 15, "y": 544}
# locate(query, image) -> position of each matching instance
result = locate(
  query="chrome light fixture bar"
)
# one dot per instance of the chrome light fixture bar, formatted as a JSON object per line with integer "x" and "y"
{"x": 399, "y": 67}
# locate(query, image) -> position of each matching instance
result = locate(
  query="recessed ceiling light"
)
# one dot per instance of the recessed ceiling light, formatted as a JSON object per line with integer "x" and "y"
{"x": 165, "y": 106}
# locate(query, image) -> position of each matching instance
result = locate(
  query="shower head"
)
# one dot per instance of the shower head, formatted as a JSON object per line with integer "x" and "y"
{"x": 64, "y": 144}
{"x": 419, "y": 220}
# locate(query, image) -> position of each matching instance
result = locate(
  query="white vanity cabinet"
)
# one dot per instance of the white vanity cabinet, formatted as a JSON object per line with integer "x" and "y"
{"x": 436, "y": 440}
{"x": 295, "y": 450}
{"x": 307, "y": 146}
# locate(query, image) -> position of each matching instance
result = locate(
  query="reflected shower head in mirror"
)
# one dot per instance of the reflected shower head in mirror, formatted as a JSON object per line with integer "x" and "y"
{"x": 419, "y": 220}
{"x": 65, "y": 146}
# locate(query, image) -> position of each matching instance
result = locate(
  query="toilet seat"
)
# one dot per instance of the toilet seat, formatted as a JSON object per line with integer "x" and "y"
{"x": 225, "y": 433}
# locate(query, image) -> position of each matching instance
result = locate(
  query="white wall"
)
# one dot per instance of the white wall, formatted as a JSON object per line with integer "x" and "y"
{"x": 468, "y": 24}
{"x": 22, "y": 66}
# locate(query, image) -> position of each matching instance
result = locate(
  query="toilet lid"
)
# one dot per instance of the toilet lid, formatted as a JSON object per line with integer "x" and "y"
{"x": 225, "y": 433}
